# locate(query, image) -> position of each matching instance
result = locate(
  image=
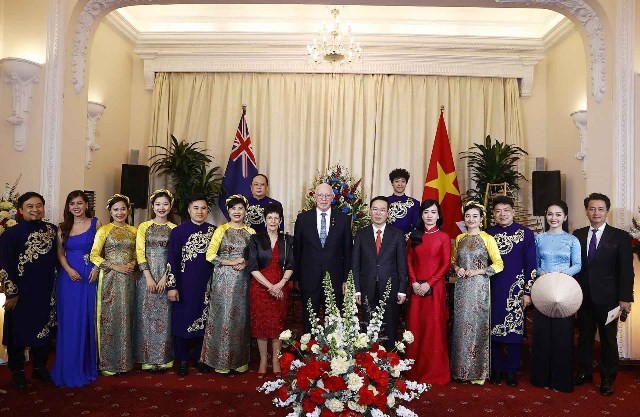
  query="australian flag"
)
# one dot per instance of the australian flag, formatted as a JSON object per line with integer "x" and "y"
{"x": 241, "y": 167}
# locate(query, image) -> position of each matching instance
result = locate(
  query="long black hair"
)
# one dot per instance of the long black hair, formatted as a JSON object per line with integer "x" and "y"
{"x": 67, "y": 222}
{"x": 416, "y": 234}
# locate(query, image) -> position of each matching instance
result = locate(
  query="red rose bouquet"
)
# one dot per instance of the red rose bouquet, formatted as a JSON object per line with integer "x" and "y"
{"x": 338, "y": 371}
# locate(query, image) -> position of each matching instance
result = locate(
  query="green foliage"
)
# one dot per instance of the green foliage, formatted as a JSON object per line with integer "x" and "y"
{"x": 493, "y": 163}
{"x": 186, "y": 165}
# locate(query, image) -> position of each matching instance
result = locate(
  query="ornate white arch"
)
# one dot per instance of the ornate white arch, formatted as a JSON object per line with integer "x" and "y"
{"x": 590, "y": 22}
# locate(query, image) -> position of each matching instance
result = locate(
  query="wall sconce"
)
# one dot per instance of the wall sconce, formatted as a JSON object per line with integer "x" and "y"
{"x": 580, "y": 120}
{"x": 94, "y": 113}
{"x": 21, "y": 74}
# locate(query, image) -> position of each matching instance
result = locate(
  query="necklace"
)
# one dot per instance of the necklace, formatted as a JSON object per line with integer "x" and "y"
{"x": 430, "y": 232}
{"x": 80, "y": 221}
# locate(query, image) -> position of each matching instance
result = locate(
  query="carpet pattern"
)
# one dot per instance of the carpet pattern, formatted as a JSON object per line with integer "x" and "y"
{"x": 166, "y": 395}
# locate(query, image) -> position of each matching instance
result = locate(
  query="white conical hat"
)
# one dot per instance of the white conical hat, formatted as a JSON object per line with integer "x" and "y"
{"x": 556, "y": 295}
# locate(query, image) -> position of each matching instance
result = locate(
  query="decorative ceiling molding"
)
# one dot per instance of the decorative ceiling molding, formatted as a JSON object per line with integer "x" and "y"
{"x": 584, "y": 14}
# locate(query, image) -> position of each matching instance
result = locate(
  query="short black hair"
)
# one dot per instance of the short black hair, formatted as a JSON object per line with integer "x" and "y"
{"x": 197, "y": 197}
{"x": 273, "y": 208}
{"x": 236, "y": 200}
{"x": 399, "y": 173}
{"x": 26, "y": 196}
{"x": 379, "y": 198}
{"x": 502, "y": 199}
{"x": 260, "y": 175}
{"x": 597, "y": 196}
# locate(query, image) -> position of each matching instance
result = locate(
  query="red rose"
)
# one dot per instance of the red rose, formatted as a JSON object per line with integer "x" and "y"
{"x": 308, "y": 406}
{"x": 382, "y": 354}
{"x": 380, "y": 401}
{"x": 283, "y": 393}
{"x": 366, "y": 396}
{"x": 348, "y": 413}
{"x": 302, "y": 380}
{"x": 285, "y": 362}
{"x": 325, "y": 349}
{"x": 401, "y": 385}
{"x": 335, "y": 383}
{"x": 317, "y": 395}
{"x": 394, "y": 359}
{"x": 328, "y": 413}
{"x": 375, "y": 347}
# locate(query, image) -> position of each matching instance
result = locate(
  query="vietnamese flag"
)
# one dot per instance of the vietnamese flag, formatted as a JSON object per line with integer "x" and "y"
{"x": 441, "y": 183}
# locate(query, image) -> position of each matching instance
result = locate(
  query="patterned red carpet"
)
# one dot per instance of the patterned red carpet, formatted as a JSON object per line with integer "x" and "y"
{"x": 143, "y": 394}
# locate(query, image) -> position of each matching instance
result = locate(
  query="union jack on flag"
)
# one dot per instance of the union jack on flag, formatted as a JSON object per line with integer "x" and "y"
{"x": 241, "y": 168}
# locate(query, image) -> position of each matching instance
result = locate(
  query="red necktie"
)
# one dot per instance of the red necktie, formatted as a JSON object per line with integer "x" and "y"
{"x": 378, "y": 241}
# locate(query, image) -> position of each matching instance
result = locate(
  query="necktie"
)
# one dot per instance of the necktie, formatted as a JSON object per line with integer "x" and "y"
{"x": 378, "y": 241}
{"x": 323, "y": 228}
{"x": 593, "y": 244}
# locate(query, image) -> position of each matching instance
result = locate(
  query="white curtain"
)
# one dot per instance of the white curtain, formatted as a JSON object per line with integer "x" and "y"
{"x": 302, "y": 123}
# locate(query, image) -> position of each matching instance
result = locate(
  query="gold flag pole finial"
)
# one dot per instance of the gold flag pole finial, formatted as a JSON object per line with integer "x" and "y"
{"x": 442, "y": 107}
{"x": 244, "y": 109}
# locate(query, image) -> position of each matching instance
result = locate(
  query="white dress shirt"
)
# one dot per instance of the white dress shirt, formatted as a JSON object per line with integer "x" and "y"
{"x": 598, "y": 236}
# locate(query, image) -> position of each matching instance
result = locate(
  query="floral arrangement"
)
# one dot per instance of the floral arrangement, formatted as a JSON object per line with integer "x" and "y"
{"x": 338, "y": 371}
{"x": 348, "y": 194}
{"x": 635, "y": 236}
{"x": 9, "y": 214}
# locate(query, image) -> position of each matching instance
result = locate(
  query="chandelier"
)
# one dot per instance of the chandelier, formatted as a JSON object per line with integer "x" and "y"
{"x": 334, "y": 45}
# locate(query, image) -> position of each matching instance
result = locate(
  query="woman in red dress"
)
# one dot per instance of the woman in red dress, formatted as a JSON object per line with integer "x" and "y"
{"x": 271, "y": 266}
{"x": 428, "y": 259}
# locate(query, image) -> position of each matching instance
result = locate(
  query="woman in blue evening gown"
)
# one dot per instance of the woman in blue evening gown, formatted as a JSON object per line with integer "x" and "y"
{"x": 76, "y": 361}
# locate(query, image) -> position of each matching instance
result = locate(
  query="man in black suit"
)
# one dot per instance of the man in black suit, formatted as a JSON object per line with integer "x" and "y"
{"x": 379, "y": 257}
{"x": 606, "y": 279}
{"x": 322, "y": 243}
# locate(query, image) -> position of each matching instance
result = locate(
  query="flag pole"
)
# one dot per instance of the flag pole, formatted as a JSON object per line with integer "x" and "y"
{"x": 442, "y": 107}
{"x": 244, "y": 109}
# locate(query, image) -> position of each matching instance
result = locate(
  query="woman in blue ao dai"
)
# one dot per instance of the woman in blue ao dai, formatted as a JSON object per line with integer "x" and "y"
{"x": 76, "y": 349}
{"x": 552, "y": 346}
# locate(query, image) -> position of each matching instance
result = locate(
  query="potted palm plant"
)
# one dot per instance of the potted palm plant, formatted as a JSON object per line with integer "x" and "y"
{"x": 493, "y": 162}
{"x": 186, "y": 165}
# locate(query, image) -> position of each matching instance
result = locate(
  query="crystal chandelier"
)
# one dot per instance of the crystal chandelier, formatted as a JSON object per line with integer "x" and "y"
{"x": 333, "y": 45}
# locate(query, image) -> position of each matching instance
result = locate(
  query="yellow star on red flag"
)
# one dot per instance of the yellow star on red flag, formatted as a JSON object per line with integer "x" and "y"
{"x": 444, "y": 183}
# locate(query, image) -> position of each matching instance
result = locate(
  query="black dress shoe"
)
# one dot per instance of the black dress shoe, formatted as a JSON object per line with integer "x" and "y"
{"x": 495, "y": 378}
{"x": 582, "y": 378}
{"x": 203, "y": 368}
{"x": 183, "y": 368}
{"x": 19, "y": 381}
{"x": 42, "y": 374}
{"x": 512, "y": 379}
{"x": 606, "y": 387}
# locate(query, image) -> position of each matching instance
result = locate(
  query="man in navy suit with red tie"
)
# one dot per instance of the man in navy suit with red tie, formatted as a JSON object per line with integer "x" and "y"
{"x": 606, "y": 279}
{"x": 322, "y": 244}
{"x": 379, "y": 257}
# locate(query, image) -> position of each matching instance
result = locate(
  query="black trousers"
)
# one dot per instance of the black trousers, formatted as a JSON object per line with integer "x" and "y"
{"x": 552, "y": 352}
{"x": 186, "y": 349}
{"x": 590, "y": 317}
{"x": 16, "y": 357}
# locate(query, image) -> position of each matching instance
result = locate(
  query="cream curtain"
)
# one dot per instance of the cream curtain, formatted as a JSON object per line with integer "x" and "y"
{"x": 302, "y": 123}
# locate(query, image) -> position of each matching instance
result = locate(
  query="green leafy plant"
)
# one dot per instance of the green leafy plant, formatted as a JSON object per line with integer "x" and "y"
{"x": 493, "y": 162}
{"x": 186, "y": 165}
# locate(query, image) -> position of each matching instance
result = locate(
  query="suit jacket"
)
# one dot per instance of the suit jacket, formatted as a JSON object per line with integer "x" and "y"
{"x": 312, "y": 260}
{"x": 608, "y": 278}
{"x": 260, "y": 252}
{"x": 370, "y": 269}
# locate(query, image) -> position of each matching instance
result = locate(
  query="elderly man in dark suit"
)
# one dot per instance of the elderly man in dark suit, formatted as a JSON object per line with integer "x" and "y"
{"x": 606, "y": 279}
{"x": 322, "y": 243}
{"x": 379, "y": 256}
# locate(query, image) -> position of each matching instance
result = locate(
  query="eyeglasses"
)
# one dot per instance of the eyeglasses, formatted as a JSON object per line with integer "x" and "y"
{"x": 324, "y": 196}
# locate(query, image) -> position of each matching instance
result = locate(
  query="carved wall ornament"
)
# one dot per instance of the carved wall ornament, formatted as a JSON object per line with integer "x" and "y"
{"x": 94, "y": 113}
{"x": 580, "y": 120}
{"x": 590, "y": 22}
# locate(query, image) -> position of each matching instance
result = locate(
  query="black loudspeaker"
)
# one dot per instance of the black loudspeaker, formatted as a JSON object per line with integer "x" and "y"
{"x": 134, "y": 183}
{"x": 545, "y": 189}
